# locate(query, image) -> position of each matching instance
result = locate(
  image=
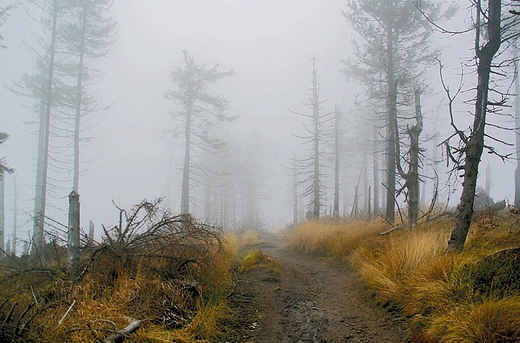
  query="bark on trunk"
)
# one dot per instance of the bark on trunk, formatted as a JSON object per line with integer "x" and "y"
{"x": 475, "y": 142}
{"x": 73, "y": 239}
{"x": 413, "y": 174}
{"x": 411, "y": 177}
{"x": 390, "y": 139}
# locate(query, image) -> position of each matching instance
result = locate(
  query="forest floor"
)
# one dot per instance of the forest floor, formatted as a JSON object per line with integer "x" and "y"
{"x": 314, "y": 299}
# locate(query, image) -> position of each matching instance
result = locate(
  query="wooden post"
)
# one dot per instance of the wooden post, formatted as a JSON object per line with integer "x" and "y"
{"x": 90, "y": 233}
{"x": 73, "y": 241}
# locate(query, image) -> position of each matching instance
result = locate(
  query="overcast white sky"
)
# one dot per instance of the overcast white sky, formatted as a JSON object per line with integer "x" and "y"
{"x": 268, "y": 43}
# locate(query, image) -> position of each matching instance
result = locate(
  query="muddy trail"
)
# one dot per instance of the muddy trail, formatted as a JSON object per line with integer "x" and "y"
{"x": 313, "y": 300}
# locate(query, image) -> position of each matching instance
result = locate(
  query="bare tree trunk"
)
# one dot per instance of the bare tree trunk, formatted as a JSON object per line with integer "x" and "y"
{"x": 391, "y": 158}
{"x": 354, "y": 211}
{"x": 517, "y": 141}
{"x": 413, "y": 173}
{"x": 73, "y": 241}
{"x": 369, "y": 203}
{"x": 475, "y": 143}
{"x": 90, "y": 233}
{"x": 316, "y": 115}
{"x": 435, "y": 157}
{"x": 365, "y": 184}
{"x": 411, "y": 177}
{"x": 185, "y": 191}
{"x": 391, "y": 119}
{"x": 15, "y": 216}
{"x": 79, "y": 96}
{"x": 375, "y": 167}
{"x": 43, "y": 141}
{"x": 335, "y": 210}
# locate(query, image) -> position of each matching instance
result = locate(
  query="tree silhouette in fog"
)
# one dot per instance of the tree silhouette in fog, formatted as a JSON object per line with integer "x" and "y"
{"x": 310, "y": 168}
{"x": 199, "y": 111}
{"x": 396, "y": 48}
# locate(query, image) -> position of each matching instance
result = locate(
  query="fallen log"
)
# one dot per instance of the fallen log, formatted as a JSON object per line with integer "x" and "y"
{"x": 120, "y": 335}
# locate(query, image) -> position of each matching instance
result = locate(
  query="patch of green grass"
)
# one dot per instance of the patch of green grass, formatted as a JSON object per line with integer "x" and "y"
{"x": 257, "y": 260}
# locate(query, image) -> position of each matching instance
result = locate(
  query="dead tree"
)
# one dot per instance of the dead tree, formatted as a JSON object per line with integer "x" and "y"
{"x": 411, "y": 178}
{"x": 473, "y": 144}
{"x": 311, "y": 168}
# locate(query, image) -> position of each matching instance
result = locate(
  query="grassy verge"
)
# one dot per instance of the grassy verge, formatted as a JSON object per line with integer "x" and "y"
{"x": 468, "y": 297}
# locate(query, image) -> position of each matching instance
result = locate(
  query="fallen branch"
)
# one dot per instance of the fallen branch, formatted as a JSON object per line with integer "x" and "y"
{"x": 389, "y": 231}
{"x": 66, "y": 313}
{"x": 448, "y": 214}
{"x": 120, "y": 335}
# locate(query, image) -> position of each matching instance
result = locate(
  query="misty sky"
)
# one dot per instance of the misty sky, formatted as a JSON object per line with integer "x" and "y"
{"x": 268, "y": 43}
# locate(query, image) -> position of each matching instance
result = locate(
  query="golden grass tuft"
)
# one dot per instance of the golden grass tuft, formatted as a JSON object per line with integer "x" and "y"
{"x": 494, "y": 320}
{"x": 334, "y": 239}
{"x": 410, "y": 270}
{"x": 248, "y": 239}
{"x": 231, "y": 242}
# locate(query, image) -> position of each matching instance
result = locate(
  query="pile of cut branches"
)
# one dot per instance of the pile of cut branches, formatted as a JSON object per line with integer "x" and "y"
{"x": 149, "y": 276}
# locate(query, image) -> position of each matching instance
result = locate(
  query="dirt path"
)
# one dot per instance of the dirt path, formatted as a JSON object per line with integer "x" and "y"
{"x": 315, "y": 300}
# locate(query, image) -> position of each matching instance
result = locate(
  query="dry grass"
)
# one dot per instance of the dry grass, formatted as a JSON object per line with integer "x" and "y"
{"x": 441, "y": 293}
{"x": 248, "y": 239}
{"x": 188, "y": 311}
{"x": 402, "y": 261}
{"x": 334, "y": 239}
{"x": 177, "y": 284}
{"x": 493, "y": 320}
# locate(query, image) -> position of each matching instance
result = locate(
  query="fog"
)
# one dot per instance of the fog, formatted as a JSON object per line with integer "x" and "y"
{"x": 269, "y": 44}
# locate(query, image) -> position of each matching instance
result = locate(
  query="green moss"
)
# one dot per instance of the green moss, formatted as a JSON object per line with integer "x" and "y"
{"x": 257, "y": 260}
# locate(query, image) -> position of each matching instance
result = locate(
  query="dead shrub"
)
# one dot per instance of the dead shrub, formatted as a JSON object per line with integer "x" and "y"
{"x": 151, "y": 266}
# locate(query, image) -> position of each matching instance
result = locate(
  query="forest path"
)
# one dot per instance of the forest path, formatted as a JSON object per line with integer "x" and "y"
{"x": 315, "y": 300}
